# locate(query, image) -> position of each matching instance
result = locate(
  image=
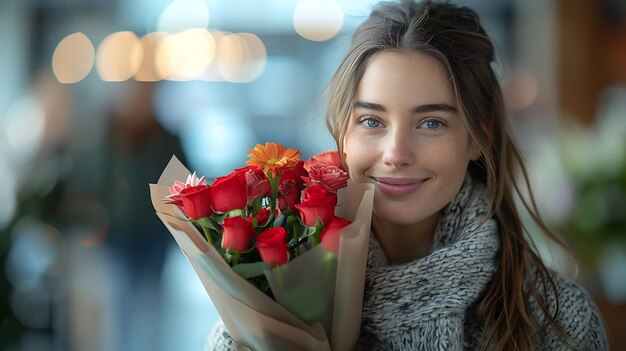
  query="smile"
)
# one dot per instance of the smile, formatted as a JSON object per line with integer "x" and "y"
{"x": 398, "y": 186}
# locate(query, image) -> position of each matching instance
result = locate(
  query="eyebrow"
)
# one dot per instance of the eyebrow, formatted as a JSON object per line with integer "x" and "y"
{"x": 414, "y": 109}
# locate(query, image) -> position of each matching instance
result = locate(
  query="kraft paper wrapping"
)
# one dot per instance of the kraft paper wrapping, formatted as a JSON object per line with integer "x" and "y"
{"x": 331, "y": 307}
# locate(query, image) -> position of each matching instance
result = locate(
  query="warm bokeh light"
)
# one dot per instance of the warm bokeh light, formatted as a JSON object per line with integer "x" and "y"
{"x": 212, "y": 71}
{"x": 255, "y": 59}
{"x": 119, "y": 57}
{"x": 317, "y": 20}
{"x": 73, "y": 58}
{"x": 229, "y": 57}
{"x": 181, "y": 15}
{"x": 147, "y": 71}
{"x": 240, "y": 58}
{"x": 185, "y": 55}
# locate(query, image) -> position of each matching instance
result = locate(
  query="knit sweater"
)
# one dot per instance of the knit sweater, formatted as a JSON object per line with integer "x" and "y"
{"x": 429, "y": 304}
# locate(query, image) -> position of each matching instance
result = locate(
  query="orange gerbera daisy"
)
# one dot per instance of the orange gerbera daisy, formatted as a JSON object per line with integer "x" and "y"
{"x": 274, "y": 158}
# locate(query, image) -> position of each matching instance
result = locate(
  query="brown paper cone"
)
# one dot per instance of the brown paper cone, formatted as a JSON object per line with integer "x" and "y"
{"x": 252, "y": 318}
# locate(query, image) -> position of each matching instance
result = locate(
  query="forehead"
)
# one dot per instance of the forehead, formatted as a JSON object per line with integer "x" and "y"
{"x": 405, "y": 78}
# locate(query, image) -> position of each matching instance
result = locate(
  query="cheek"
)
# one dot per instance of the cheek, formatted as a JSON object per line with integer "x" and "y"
{"x": 358, "y": 159}
{"x": 450, "y": 156}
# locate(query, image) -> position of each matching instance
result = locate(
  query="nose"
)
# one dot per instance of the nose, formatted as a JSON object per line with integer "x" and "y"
{"x": 399, "y": 152}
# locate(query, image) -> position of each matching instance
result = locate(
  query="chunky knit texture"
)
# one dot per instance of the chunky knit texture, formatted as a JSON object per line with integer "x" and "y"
{"x": 421, "y": 305}
{"x": 429, "y": 303}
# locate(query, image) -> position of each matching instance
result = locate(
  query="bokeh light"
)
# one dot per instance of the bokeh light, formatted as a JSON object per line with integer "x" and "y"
{"x": 212, "y": 71}
{"x": 147, "y": 71}
{"x": 229, "y": 57}
{"x": 185, "y": 55}
{"x": 181, "y": 15}
{"x": 73, "y": 58}
{"x": 119, "y": 56}
{"x": 23, "y": 128}
{"x": 255, "y": 57}
{"x": 240, "y": 58}
{"x": 317, "y": 20}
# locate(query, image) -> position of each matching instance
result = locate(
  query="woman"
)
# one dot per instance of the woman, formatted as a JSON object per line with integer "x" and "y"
{"x": 417, "y": 110}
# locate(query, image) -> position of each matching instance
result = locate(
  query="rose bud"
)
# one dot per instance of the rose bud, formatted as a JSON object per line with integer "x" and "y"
{"x": 290, "y": 186}
{"x": 257, "y": 184}
{"x": 229, "y": 192}
{"x": 272, "y": 246}
{"x": 237, "y": 234}
{"x": 288, "y": 195}
{"x": 196, "y": 201}
{"x": 317, "y": 203}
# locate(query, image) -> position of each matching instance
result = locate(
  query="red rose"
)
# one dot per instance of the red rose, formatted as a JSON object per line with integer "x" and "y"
{"x": 229, "y": 192}
{"x": 272, "y": 246}
{"x": 257, "y": 183}
{"x": 196, "y": 201}
{"x": 290, "y": 186}
{"x": 328, "y": 177}
{"x": 317, "y": 203}
{"x": 263, "y": 216}
{"x": 330, "y": 235}
{"x": 330, "y": 158}
{"x": 237, "y": 233}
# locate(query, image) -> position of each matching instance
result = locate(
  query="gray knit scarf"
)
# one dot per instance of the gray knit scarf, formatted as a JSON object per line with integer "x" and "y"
{"x": 421, "y": 305}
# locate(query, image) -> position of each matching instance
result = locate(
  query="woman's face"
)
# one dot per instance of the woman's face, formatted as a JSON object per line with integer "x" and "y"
{"x": 406, "y": 136}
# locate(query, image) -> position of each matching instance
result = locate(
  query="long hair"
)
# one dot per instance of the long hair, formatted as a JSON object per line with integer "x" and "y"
{"x": 453, "y": 35}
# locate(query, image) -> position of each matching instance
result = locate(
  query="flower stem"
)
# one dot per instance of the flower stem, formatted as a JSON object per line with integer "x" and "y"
{"x": 234, "y": 259}
{"x": 207, "y": 234}
{"x": 274, "y": 181}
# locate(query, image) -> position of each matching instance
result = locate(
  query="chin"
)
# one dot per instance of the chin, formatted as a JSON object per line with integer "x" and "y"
{"x": 399, "y": 215}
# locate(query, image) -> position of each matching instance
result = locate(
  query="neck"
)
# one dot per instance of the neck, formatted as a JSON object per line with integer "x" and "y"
{"x": 404, "y": 243}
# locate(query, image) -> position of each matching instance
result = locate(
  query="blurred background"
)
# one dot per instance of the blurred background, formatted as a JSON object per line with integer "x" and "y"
{"x": 96, "y": 95}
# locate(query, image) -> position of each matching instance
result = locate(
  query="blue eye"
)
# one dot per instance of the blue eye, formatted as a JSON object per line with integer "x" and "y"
{"x": 432, "y": 124}
{"x": 370, "y": 122}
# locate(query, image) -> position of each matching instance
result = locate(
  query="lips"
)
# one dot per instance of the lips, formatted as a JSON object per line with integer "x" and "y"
{"x": 398, "y": 186}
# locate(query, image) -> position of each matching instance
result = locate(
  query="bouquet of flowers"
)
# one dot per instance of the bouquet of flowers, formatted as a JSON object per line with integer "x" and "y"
{"x": 283, "y": 246}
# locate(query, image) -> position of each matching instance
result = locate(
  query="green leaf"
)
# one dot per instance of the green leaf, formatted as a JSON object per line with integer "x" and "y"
{"x": 218, "y": 218}
{"x": 207, "y": 222}
{"x": 251, "y": 270}
{"x": 235, "y": 213}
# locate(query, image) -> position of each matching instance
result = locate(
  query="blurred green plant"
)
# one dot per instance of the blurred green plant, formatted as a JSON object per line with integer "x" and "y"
{"x": 594, "y": 158}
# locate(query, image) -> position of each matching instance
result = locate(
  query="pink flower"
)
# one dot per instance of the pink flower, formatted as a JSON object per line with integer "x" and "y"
{"x": 174, "y": 197}
{"x": 325, "y": 170}
{"x": 328, "y": 177}
{"x": 330, "y": 157}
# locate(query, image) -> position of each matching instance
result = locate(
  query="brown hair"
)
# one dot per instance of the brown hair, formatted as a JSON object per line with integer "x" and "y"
{"x": 453, "y": 34}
